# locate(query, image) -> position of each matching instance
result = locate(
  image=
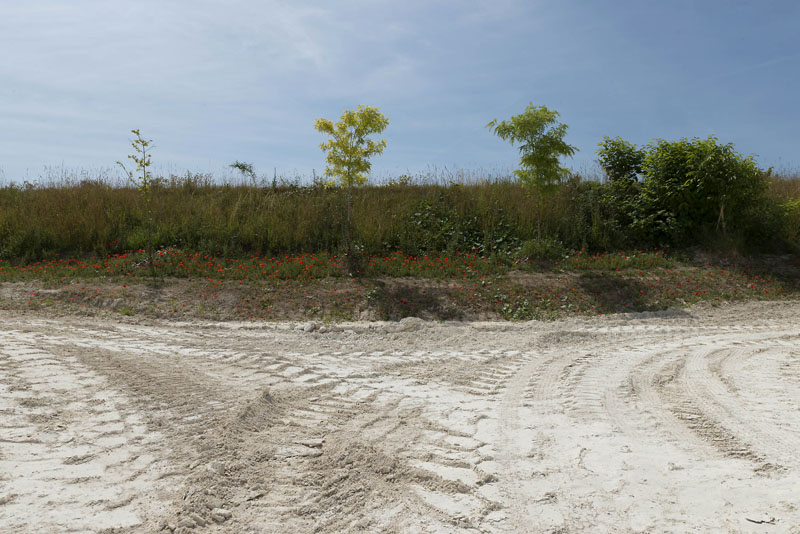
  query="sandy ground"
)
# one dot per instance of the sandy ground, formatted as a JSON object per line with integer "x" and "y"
{"x": 685, "y": 421}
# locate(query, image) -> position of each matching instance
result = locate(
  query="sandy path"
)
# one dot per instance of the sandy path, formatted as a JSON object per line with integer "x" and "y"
{"x": 680, "y": 422}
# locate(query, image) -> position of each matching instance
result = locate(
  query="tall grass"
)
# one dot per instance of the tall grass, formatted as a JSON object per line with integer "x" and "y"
{"x": 784, "y": 190}
{"x": 194, "y": 212}
{"x": 785, "y": 185}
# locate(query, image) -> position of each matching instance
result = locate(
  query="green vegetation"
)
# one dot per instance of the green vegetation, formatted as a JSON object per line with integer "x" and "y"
{"x": 246, "y": 169}
{"x": 667, "y": 195}
{"x": 692, "y": 192}
{"x": 193, "y": 213}
{"x": 541, "y": 145}
{"x": 348, "y": 152}
{"x": 144, "y": 179}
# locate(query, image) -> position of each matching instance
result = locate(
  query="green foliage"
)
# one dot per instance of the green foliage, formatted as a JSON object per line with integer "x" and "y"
{"x": 541, "y": 145}
{"x": 694, "y": 185}
{"x": 349, "y": 148}
{"x": 436, "y": 225}
{"x": 145, "y": 181}
{"x": 586, "y": 221}
{"x": 620, "y": 159}
{"x": 691, "y": 190}
{"x": 621, "y": 162}
{"x": 245, "y": 168}
{"x": 402, "y": 180}
{"x": 791, "y": 209}
{"x": 141, "y": 175}
{"x": 348, "y": 152}
{"x": 196, "y": 213}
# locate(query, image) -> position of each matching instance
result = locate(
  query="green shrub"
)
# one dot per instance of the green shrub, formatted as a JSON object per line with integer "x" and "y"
{"x": 621, "y": 160}
{"x": 698, "y": 185}
{"x": 691, "y": 190}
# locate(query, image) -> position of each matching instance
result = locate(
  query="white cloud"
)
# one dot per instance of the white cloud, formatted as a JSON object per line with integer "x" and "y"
{"x": 214, "y": 80}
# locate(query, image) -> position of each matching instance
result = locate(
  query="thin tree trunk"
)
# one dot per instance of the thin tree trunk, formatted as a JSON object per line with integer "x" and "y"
{"x": 539, "y": 216}
{"x": 150, "y": 259}
{"x": 347, "y": 224}
{"x": 721, "y": 219}
{"x": 351, "y": 264}
{"x": 148, "y": 197}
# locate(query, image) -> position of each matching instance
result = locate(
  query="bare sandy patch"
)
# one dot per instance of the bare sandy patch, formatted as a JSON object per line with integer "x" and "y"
{"x": 658, "y": 422}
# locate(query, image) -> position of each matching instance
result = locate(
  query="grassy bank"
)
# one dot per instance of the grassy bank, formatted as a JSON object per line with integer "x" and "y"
{"x": 434, "y": 250}
{"x": 86, "y": 218}
{"x": 392, "y": 286}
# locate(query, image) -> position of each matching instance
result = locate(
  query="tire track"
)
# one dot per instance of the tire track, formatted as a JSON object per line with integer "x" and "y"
{"x": 67, "y": 436}
{"x": 578, "y": 426}
{"x": 193, "y": 390}
{"x": 637, "y": 396}
{"x": 744, "y": 429}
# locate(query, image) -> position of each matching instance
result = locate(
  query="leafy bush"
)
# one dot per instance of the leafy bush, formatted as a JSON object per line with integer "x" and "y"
{"x": 622, "y": 164}
{"x": 438, "y": 226}
{"x": 692, "y": 186}
{"x": 691, "y": 190}
{"x": 620, "y": 159}
{"x": 791, "y": 209}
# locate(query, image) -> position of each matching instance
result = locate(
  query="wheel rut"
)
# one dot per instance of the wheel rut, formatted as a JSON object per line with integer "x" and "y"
{"x": 642, "y": 423}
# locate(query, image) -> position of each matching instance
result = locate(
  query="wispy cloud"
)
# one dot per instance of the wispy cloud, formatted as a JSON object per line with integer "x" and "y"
{"x": 241, "y": 79}
{"x": 759, "y": 65}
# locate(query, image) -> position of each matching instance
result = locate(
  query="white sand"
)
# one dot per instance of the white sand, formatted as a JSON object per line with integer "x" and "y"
{"x": 674, "y": 422}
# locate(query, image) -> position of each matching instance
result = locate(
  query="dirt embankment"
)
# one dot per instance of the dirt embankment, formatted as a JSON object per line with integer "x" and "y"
{"x": 662, "y": 422}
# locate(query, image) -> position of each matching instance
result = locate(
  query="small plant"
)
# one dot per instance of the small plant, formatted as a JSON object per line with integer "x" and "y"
{"x": 541, "y": 144}
{"x": 348, "y": 152}
{"x": 404, "y": 180}
{"x": 144, "y": 179}
{"x": 246, "y": 169}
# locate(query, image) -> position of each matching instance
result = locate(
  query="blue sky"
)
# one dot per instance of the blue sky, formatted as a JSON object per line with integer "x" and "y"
{"x": 214, "y": 82}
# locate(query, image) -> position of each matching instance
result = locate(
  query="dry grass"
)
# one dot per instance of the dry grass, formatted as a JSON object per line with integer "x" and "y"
{"x": 484, "y": 213}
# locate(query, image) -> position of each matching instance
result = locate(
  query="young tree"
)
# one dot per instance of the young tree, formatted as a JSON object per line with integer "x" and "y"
{"x": 145, "y": 183}
{"x": 348, "y": 151}
{"x": 541, "y": 144}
